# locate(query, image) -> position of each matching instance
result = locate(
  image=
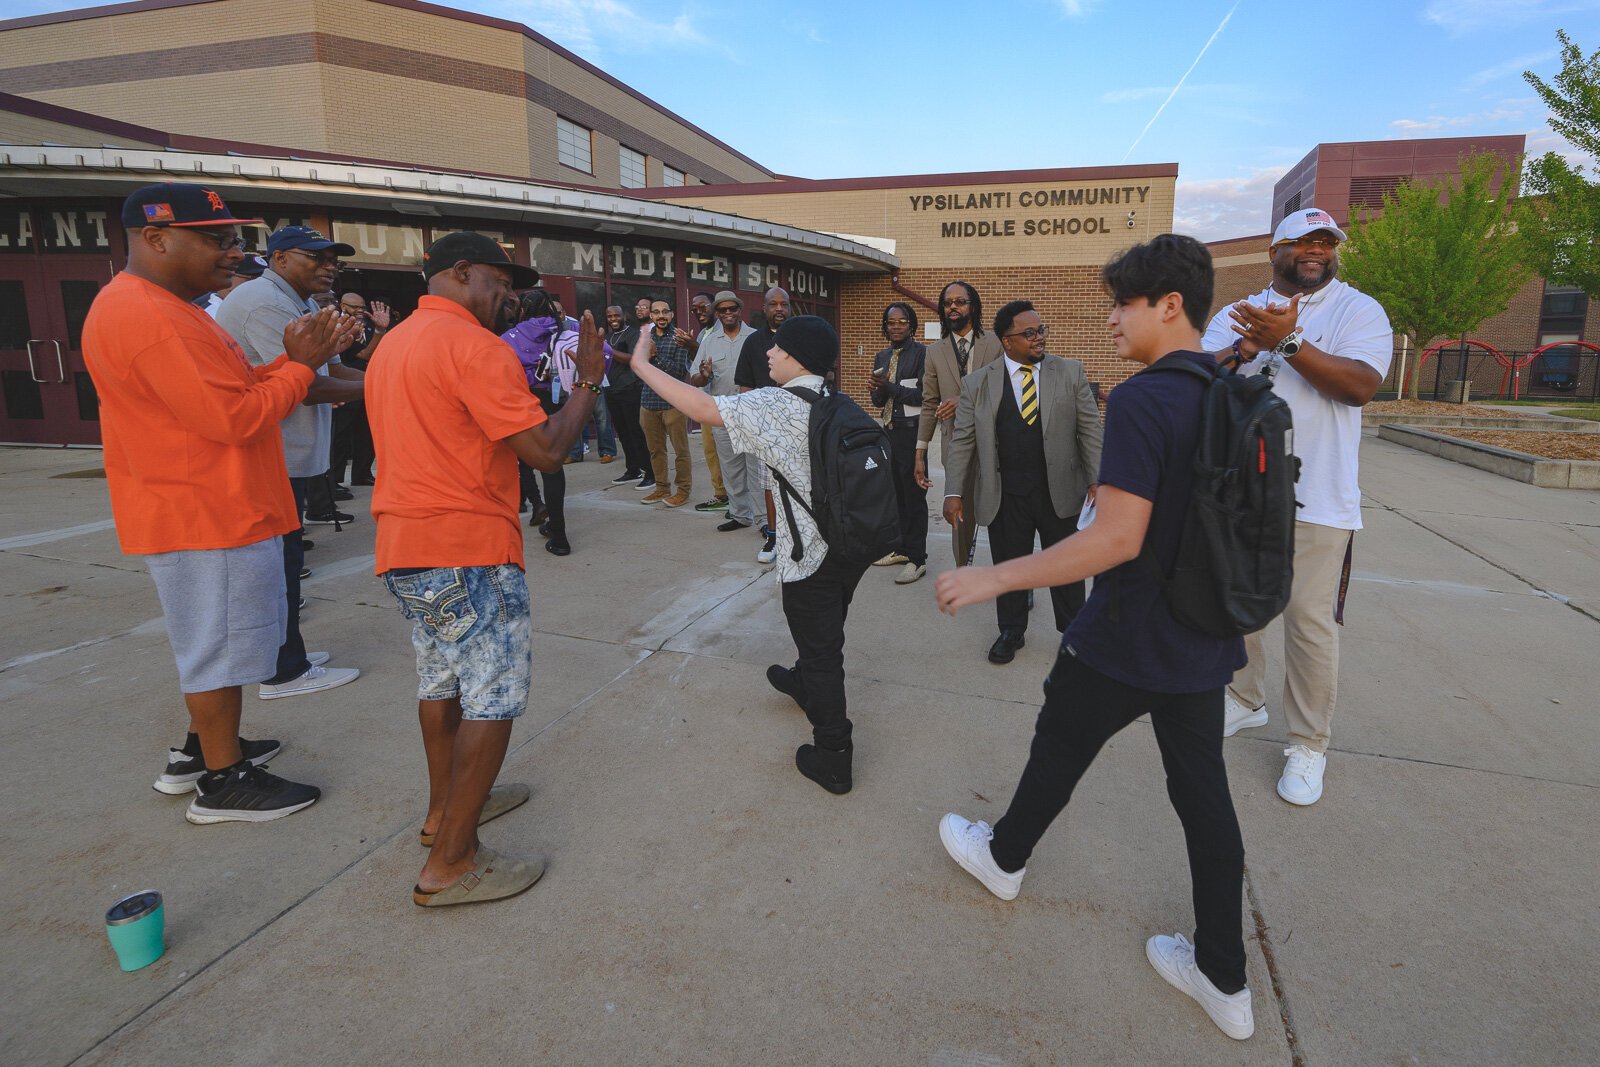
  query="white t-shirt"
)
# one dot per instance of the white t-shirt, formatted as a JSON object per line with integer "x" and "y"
{"x": 1340, "y": 321}
{"x": 774, "y": 425}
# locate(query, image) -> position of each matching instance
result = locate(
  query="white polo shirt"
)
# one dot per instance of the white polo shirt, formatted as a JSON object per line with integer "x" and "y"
{"x": 1341, "y": 321}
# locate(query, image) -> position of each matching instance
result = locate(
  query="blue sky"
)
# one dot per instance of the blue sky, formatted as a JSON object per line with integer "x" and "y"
{"x": 1233, "y": 92}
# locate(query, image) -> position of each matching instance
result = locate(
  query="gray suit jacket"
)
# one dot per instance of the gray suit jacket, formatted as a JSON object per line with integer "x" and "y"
{"x": 941, "y": 380}
{"x": 1071, "y": 424}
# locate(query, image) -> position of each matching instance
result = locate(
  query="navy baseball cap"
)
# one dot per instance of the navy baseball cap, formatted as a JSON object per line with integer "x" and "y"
{"x": 304, "y": 239}
{"x": 452, "y": 248}
{"x": 177, "y": 204}
{"x": 251, "y": 266}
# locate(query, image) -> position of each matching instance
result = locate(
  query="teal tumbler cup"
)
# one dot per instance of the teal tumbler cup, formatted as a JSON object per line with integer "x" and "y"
{"x": 136, "y": 926}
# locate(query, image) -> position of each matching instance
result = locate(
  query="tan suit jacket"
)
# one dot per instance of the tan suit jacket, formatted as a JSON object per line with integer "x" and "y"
{"x": 1070, "y": 421}
{"x": 941, "y": 380}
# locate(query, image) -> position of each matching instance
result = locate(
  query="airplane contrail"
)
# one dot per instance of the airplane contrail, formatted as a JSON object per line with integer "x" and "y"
{"x": 1209, "y": 42}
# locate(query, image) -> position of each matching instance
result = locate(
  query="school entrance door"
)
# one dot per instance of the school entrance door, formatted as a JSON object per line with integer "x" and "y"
{"x": 48, "y": 397}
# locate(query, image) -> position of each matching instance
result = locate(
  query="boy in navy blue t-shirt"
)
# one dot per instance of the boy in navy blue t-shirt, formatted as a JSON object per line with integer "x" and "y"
{"x": 1125, "y": 656}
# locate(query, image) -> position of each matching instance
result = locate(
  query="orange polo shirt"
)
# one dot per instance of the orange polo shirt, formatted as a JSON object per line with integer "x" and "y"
{"x": 194, "y": 459}
{"x": 443, "y": 394}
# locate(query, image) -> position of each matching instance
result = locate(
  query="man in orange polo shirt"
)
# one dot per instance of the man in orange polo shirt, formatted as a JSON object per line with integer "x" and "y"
{"x": 194, "y": 463}
{"x": 451, "y": 415}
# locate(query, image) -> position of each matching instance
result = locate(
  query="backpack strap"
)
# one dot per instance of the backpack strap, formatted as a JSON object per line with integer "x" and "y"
{"x": 790, "y": 499}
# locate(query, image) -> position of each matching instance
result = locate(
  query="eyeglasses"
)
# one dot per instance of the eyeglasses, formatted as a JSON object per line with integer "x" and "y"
{"x": 323, "y": 258}
{"x": 728, "y": 309}
{"x": 899, "y": 322}
{"x": 353, "y": 309}
{"x": 1030, "y": 335}
{"x": 1311, "y": 241}
{"x": 957, "y": 302}
{"x": 224, "y": 242}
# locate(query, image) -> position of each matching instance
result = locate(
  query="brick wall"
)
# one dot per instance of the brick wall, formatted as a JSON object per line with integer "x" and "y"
{"x": 1069, "y": 300}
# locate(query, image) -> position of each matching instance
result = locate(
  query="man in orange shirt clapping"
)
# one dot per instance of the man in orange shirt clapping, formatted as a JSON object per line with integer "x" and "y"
{"x": 451, "y": 415}
{"x": 194, "y": 463}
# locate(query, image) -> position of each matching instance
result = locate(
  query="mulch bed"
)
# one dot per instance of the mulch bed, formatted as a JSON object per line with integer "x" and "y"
{"x": 1534, "y": 442}
{"x": 1439, "y": 407}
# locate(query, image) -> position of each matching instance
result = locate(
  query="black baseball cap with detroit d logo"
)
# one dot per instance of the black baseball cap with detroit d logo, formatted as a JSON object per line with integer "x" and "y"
{"x": 177, "y": 204}
{"x": 452, "y": 248}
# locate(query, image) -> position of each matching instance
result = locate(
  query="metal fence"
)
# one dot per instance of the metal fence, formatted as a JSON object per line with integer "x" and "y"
{"x": 1558, "y": 373}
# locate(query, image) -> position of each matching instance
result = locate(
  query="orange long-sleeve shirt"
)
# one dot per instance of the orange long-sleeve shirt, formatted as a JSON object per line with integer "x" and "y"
{"x": 194, "y": 458}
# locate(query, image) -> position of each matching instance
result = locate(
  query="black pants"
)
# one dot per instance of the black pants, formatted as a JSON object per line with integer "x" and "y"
{"x": 910, "y": 497}
{"x": 352, "y": 443}
{"x": 317, "y": 498}
{"x": 624, "y": 407}
{"x": 816, "y": 607}
{"x": 1011, "y": 536}
{"x": 554, "y": 498}
{"x": 1082, "y": 710}
{"x": 292, "y": 653}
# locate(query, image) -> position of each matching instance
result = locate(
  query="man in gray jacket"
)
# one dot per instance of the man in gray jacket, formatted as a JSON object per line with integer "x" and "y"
{"x": 1027, "y": 444}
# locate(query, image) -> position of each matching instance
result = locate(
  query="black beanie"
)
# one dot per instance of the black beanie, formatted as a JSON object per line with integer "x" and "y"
{"x": 811, "y": 341}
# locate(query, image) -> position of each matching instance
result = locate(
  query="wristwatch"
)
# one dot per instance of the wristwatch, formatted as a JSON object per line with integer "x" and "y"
{"x": 1291, "y": 344}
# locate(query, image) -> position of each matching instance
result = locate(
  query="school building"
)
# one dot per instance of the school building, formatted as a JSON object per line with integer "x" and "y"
{"x": 387, "y": 123}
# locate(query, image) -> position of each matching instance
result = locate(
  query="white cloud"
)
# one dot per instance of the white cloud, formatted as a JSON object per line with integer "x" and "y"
{"x": 1215, "y": 209}
{"x": 1506, "y": 111}
{"x": 1460, "y": 16}
{"x": 593, "y": 28}
{"x": 1479, "y": 79}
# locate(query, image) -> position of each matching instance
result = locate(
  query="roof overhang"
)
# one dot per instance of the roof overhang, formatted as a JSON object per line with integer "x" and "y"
{"x": 60, "y": 171}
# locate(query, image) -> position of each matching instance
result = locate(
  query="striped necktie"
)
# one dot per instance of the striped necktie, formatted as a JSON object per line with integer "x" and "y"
{"x": 1030, "y": 397}
{"x": 963, "y": 353}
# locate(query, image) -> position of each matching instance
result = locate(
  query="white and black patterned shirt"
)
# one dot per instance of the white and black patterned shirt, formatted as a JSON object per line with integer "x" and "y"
{"x": 774, "y": 425}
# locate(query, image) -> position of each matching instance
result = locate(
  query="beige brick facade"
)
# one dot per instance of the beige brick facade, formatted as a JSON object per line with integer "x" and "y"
{"x": 392, "y": 80}
{"x": 1000, "y": 220}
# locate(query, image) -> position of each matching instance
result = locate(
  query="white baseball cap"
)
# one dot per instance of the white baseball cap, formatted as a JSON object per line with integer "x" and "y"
{"x": 1299, "y": 223}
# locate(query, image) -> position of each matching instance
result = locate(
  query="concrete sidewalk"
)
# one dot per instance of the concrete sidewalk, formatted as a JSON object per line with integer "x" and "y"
{"x": 705, "y": 904}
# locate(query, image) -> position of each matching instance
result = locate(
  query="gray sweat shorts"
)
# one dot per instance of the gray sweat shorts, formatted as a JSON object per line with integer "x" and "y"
{"x": 227, "y": 611}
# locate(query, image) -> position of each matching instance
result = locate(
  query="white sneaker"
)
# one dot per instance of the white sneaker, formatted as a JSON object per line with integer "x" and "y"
{"x": 968, "y": 844}
{"x": 315, "y": 680}
{"x": 891, "y": 559}
{"x": 1302, "y": 775}
{"x": 769, "y": 549}
{"x": 1173, "y": 959}
{"x": 910, "y": 573}
{"x": 317, "y": 659}
{"x": 1236, "y": 717}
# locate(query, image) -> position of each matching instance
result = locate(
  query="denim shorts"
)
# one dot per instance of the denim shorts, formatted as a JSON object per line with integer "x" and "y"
{"x": 473, "y": 636}
{"x": 225, "y": 610}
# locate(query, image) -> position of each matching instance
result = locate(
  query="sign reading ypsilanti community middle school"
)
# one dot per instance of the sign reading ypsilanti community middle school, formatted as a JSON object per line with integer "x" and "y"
{"x": 1064, "y": 217}
{"x": 993, "y": 204}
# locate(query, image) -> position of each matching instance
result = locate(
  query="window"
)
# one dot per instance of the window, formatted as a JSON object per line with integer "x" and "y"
{"x": 632, "y": 164}
{"x": 671, "y": 176}
{"x": 573, "y": 145}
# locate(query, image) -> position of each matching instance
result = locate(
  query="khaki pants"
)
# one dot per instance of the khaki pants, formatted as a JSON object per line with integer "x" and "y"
{"x": 1310, "y": 640}
{"x": 660, "y": 427}
{"x": 709, "y": 442}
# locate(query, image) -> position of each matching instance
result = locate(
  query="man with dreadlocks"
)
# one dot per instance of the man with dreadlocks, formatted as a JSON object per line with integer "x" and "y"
{"x": 963, "y": 348}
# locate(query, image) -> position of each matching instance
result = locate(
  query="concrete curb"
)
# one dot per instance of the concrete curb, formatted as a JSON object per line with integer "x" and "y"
{"x": 1486, "y": 422}
{"x": 1520, "y": 466}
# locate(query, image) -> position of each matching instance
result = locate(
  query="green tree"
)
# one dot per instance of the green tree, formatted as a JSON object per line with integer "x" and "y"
{"x": 1562, "y": 216}
{"x": 1440, "y": 257}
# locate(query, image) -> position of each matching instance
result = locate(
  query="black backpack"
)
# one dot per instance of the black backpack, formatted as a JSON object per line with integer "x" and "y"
{"x": 852, "y": 487}
{"x": 1235, "y": 559}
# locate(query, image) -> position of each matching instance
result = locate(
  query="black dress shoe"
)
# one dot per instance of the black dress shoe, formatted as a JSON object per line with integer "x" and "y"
{"x": 558, "y": 546}
{"x": 362, "y": 481}
{"x": 341, "y": 493}
{"x": 544, "y": 528}
{"x": 1004, "y": 649}
{"x": 829, "y": 769}
{"x": 731, "y": 525}
{"x": 787, "y": 681}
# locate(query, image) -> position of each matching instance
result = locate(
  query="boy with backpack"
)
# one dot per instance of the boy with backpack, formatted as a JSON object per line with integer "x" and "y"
{"x": 831, "y": 482}
{"x": 1126, "y": 655}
